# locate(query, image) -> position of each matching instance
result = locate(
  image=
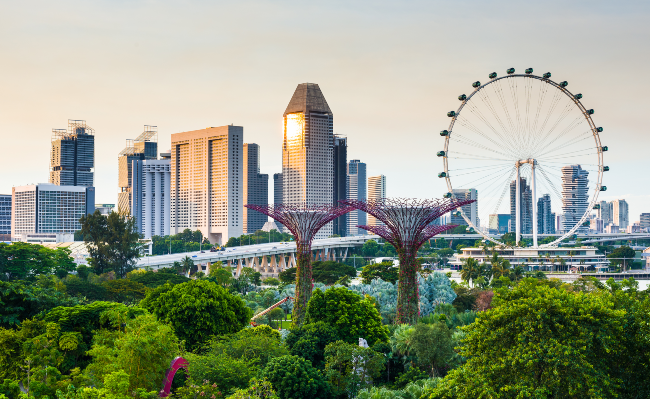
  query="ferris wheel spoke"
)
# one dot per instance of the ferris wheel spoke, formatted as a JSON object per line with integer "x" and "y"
{"x": 478, "y": 180}
{"x": 460, "y": 139}
{"x": 554, "y": 101}
{"x": 483, "y": 168}
{"x": 585, "y": 136}
{"x": 502, "y": 100}
{"x": 494, "y": 187}
{"x": 564, "y": 133}
{"x": 565, "y": 112}
{"x": 486, "y": 100}
{"x": 515, "y": 99}
{"x": 466, "y": 123}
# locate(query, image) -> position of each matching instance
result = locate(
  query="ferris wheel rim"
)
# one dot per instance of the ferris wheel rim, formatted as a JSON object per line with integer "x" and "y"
{"x": 594, "y": 132}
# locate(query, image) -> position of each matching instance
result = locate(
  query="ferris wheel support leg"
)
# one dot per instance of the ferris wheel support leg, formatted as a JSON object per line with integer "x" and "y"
{"x": 517, "y": 208}
{"x": 534, "y": 200}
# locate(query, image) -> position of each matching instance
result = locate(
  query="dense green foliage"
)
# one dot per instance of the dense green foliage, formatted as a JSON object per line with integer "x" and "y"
{"x": 384, "y": 271}
{"x": 351, "y": 315}
{"x": 179, "y": 243}
{"x": 25, "y": 261}
{"x": 154, "y": 279}
{"x": 327, "y": 272}
{"x": 198, "y": 309}
{"x": 20, "y": 301}
{"x": 259, "y": 237}
{"x": 295, "y": 378}
{"x": 309, "y": 341}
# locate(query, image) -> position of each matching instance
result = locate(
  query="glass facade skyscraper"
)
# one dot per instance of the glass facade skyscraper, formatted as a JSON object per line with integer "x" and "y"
{"x": 575, "y": 198}
{"x": 356, "y": 191}
{"x": 255, "y": 188}
{"x": 340, "y": 182}
{"x": 144, "y": 147}
{"x": 72, "y": 156}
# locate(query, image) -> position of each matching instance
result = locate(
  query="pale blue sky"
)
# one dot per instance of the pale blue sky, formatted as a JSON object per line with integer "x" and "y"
{"x": 389, "y": 70}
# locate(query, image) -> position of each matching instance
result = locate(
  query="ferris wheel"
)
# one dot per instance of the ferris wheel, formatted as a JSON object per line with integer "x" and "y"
{"x": 529, "y": 152}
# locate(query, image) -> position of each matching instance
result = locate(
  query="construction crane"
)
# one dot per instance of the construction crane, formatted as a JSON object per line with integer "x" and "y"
{"x": 262, "y": 313}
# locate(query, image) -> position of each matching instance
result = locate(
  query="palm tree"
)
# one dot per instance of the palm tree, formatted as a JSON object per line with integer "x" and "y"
{"x": 517, "y": 273}
{"x": 557, "y": 260}
{"x": 470, "y": 270}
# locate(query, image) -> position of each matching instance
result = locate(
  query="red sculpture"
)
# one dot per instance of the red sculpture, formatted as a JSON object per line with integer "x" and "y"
{"x": 177, "y": 363}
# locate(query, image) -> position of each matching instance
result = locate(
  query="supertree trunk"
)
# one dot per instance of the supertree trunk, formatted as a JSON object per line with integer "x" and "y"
{"x": 304, "y": 283}
{"x": 408, "y": 296}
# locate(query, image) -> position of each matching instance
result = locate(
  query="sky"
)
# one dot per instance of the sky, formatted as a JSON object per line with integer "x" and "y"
{"x": 390, "y": 71}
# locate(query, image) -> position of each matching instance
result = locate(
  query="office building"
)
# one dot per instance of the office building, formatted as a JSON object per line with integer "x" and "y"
{"x": 575, "y": 198}
{"x": 207, "y": 181}
{"x": 49, "y": 212}
{"x": 340, "y": 182}
{"x": 356, "y": 176}
{"x": 605, "y": 212}
{"x": 644, "y": 221}
{"x": 277, "y": 195}
{"x": 596, "y": 225}
{"x": 144, "y": 147}
{"x": 620, "y": 214}
{"x": 470, "y": 210}
{"x": 307, "y": 150}
{"x": 525, "y": 205}
{"x": 150, "y": 197}
{"x": 255, "y": 189}
{"x": 5, "y": 217}
{"x": 499, "y": 224}
{"x": 376, "y": 191}
{"x": 72, "y": 156}
{"x": 545, "y": 217}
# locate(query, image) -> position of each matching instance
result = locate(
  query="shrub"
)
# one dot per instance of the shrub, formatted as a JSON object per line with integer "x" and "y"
{"x": 295, "y": 378}
{"x": 309, "y": 342}
{"x": 352, "y": 316}
{"x": 152, "y": 279}
{"x": 199, "y": 309}
{"x": 257, "y": 389}
{"x": 230, "y": 373}
{"x": 350, "y": 368}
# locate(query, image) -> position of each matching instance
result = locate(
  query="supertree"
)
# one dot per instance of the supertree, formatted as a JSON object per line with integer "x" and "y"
{"x": 407, "y": 224}
{"x": 304, "y": 221}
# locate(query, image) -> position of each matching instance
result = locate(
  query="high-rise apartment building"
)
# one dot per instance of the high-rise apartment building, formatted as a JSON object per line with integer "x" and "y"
{"x": 620, "y": 214}
{"x": 644, "y": 221}
{"x": 255, "y": 188}
{"x": 307, "y": 150}
{"x": 5, "y": 217}
{"x": 605, "y": 212}
{"x": 525, "y": 205}
{"x": 277, "y": 195}
{"x": 470, "y": 210}
{"x": 144, "y": 147}
{"x": 356, "y": 191}
{"x": 545, "y": 216}
{"x": 340, "y": 182}
{"x": 207, "y": 181}
{"x": 575, "y": 198}
{"x": 72, "y": 157}
{"x": 376, "y": 191}
{"x": 150, "y": 199}
{"x": 49, "y": 210}
{"x": 499, "y": 223}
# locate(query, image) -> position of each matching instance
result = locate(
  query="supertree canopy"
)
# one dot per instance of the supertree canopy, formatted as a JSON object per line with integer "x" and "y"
{"x": 304, "y": 221}
{"x": 407, "y": 224}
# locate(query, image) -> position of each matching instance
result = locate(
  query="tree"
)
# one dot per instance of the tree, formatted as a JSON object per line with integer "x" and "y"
{"x": 19, "y": 302}
{"x": 351, "y": 315}
{"x": 187, "y": 264}
{"x": 153, "y": 279}
{"x": 309, "y": 341}
{"x": 350, "y": 368}
{"x": 621, "y": 256}
{"x": 198, "y": 309}
{"x": 25, "y": 261}
{"x": 125, "y": 290}
{"x": 328, "y": 272}
{"x": 433, "y": 346}
{"x": 470, "y": 270}
{"x": 295, "y": 378}
{"x": 370, "y": 248}
{"x": 384, "y": 271}
{"x": 540, "y": 341}
{"x": 112, "y": 242}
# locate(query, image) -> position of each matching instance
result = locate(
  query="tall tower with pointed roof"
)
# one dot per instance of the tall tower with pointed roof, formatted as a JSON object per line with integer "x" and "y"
{"x": 307, "y": 150}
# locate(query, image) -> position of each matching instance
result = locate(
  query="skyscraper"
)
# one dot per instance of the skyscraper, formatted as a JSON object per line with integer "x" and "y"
{"x": 340, "y": 182}
{"x": 498, "y": 224}
{"x": 5, "y": 217}
{"x": 277, "y": 194}
{"x": 206, "y": 182}
{"x": 72, "y": 158}
{"x": 376, "y": 191}
{"x": 644, "y": 221}
{"x": 605, "y": 212}
{"x": 525, "y": 204}
{"x": 144, "y": 147}
{"x": 356, "y": 191}
{"x": 151, "y": 180}
{"x": 470, "y": 210}
{"x": 255, "y": 188}
{"x": 575, "y": 198}
{"x": 545, "y": 216}
{"x": 307, "y": 151}
{"x": 620, "y": 214}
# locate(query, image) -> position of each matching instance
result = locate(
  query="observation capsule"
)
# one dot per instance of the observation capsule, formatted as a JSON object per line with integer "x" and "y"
{"x": 597, "y": 207}
{"x": 462, "y": 97}
{"x": 547, "y": 75}
{"x": 470, "y": 229}
{"x": 476, "y": 84}
{"x": 605, "y": 168}
{"x": 529, "y": 71}
{"x": 451, "y": 114}
{"x": 510, "y": 71}
{"x": 444, "y": 133}
{"x": 599, "y": 129}
{"x": 590, "y": 111}
{"x": 442, "y": 175}
{"x": 564, "y": 84}
{"x": 604, "y": 148}
{"x": 447, "y": 195}
{"x": 603, "y": 188}
{"x": 493, "y": 75}
{"x": 456, "y": 213}
{"x": 440, "y": 154}
{"x": 578, "y": 96}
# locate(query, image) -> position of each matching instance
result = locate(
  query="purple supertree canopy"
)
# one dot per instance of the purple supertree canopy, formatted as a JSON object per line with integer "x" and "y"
{"x": 407, "y": 222}
{"x": 304, "y": 220}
